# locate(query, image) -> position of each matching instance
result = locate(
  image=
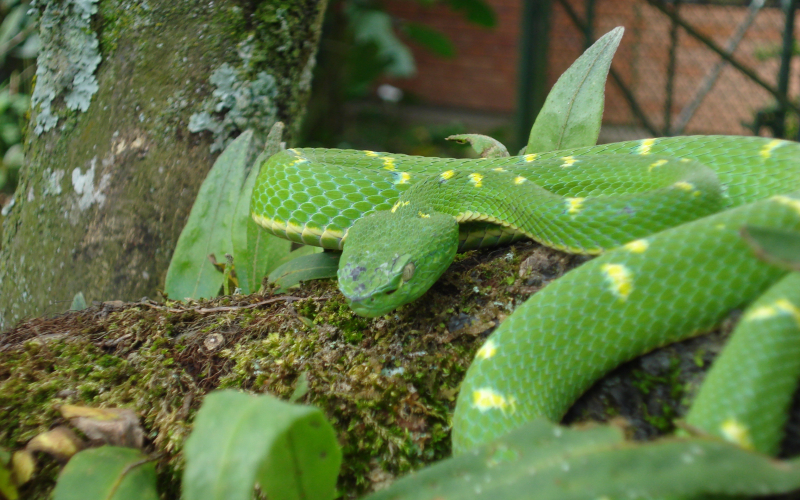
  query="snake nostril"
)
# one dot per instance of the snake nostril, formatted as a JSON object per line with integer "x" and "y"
{"x": 389, "y": 292}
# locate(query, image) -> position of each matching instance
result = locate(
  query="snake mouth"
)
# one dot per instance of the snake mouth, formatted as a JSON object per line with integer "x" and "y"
{"x": 365, "y": 306}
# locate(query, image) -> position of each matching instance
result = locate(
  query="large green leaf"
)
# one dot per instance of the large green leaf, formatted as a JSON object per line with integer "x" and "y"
{"x": 776, "y": 246}
{"x": 431, "y": 39}
{"x": 255, "y": 251}
{"x": 305, "y": 267}
{"x": 562, "y": 464}
{"x": 240, "y": 440}
{"x": 375, "y": 27}
{"x": 107, "y": 473}
{"x": 208, "y": 229}
{"x": 572, "y": 113}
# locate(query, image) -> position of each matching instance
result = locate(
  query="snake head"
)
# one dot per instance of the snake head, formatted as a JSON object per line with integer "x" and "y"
{"x": 390, "y": 259}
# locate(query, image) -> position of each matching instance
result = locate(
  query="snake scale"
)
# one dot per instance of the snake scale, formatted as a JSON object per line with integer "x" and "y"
{"x": 666, "y": 215}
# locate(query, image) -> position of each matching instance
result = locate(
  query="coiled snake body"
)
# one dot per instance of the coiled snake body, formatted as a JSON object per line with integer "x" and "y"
{"x": 665, "y": 213}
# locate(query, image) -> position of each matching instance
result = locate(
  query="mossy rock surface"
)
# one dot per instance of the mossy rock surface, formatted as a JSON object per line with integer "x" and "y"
{"x": 388, "y": 384}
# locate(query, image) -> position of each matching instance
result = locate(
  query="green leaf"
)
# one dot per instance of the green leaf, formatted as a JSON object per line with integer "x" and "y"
{"x": 433, "y": 40}
{"x": 208, "y": 229}
{"x": 563, "y": 464}
{"x": 255, "y": 251}
{"x": 240, "y": 440}
{"x": 484, "y": 145}
{"x": 572, "y": 114}
{"x": 476, "y": 11}
{"x": 107, "y": 473}
{"x": 774, "y": 246}
{"x": 78, "y": 302}
{"x": 315, "y": 266}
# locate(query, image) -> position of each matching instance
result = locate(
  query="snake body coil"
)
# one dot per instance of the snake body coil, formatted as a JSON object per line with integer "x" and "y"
{"x": 671, "y": 209}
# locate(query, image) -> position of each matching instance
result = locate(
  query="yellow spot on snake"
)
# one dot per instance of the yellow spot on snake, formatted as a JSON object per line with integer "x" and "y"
{"x": 574, "y": 205}
{"x": 568, "y": 161}
{"x": 447, "y": 175}
{"x": 686, "y": 186}
{"x": 488, "y": 399}
{"x": 637, "y": 246}
{"x": 530, "y": 158}
{"x": 780, "y": 306}
{"x": 476, "y": 179}
{"x": 736, "y": 432}
{"x": 295, "y": 152}
{"x": 645, "y": 145}
{"x": 766, "y": 150}
{"x": 499, "y": 169}
{"x": 424, "y": 216}
{"x": 620, "y": 278}
{"x": 657, "y": 164}
{"x": 789, "y": 202}
{"x": 519, "y": 180}
{"x": 403, "y": 178}
{"x": 398, "y": 205}
{"x": 487, "y": 350}
{"x": 388, "y": 163}
{"x": 370, "y": 153}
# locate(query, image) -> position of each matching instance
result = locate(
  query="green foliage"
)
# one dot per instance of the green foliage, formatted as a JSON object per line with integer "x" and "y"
{"x": 8, "y": 488}
{"x": 776, "y": 246}
{"x": 208, "y": 229}
{"x": 107, "y": 473}
{"x": 309, "y": 265}
{"x": 572, "y": 114}
{"x": 430, "y": 38}
{"x": 239, "y": 441}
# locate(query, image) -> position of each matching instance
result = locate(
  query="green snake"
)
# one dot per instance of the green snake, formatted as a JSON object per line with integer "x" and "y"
{"x": 665, "y": 214}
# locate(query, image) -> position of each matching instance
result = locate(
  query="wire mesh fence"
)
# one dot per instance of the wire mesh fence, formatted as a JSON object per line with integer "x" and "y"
{"x": 687, "y": 67}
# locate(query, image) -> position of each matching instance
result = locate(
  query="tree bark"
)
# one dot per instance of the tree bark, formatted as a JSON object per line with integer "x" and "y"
{"x": 106, "y": 190}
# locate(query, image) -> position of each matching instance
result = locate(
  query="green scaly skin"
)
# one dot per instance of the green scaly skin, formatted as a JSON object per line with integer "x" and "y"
{"x": 664, "y": 286}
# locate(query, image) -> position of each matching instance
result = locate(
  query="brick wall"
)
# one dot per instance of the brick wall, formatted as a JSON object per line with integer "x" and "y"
{"x": 483, "y": 75}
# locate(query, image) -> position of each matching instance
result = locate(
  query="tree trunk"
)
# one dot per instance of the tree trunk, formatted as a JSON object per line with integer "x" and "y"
{"x": 116, "y": 152}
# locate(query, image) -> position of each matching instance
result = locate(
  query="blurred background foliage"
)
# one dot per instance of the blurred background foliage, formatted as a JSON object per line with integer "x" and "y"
{"x": 352, "y": 106}
{"x": 19, "y": 44}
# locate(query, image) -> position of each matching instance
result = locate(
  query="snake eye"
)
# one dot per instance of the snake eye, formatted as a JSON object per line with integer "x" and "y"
{"x": 408, "y": 271}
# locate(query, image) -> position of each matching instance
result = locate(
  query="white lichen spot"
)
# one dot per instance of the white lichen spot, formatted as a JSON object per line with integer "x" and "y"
{"x": 88, "y": 193}
{"x": 530, "y": 158}
{"x": 789, "y": 202}
{"x": 637, "y": 246}
{"x": 619, "y": 278}
{"x": 644, "y": 146}
{"x": 31, "y": 195}
{"x": 488, "y": 399}
{"x": 519, "y": 180}
{"x": 487, "y": 350}
{"x": 476, "y": 179}
{"x": 568, "y": 161}
{"x": 766, "y": 150}
{"x": 736, "y": 432}
{"x": 52, "y": 185}
{"x": 574, "y": 205}
{"x": 657, "y": 164}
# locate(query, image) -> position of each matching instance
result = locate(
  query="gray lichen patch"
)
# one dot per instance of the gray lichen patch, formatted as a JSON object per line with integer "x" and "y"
{"x": 236, "y": 104}
{"x": 67, "y": 60}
